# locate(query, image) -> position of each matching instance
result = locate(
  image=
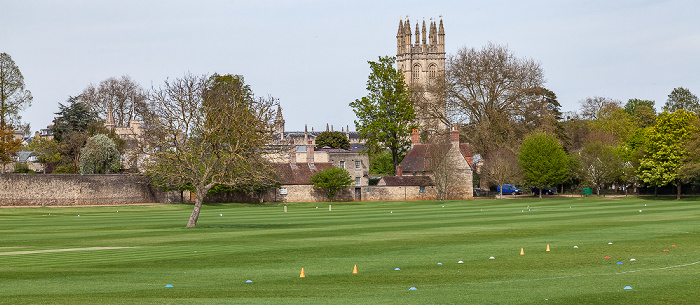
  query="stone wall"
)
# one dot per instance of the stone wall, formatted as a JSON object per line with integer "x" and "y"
{"x": 67, "y": 190}
{"x": 307, "y": 193}
{"x": 398, "y": 193}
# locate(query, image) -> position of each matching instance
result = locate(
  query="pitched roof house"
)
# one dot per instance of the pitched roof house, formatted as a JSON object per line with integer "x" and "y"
{"x": 448, "y": 165}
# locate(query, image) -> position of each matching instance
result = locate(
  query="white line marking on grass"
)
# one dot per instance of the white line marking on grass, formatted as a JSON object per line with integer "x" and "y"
{"x": 62, "y": 250}
{"x": 579, "y": 275}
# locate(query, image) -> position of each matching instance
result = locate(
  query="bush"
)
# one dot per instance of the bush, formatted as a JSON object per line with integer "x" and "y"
{"x": 332, "y": 139}
{"x": 332, "y": 180}
{"x": 99, "y": 156}
{"x": 64, "y": 169}
{"x": 23, "y": 168}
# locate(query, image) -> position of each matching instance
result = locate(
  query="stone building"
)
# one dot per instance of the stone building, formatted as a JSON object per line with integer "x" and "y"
{"x": 283, "y": 137}
{"x": 132, "y": 135}
{"x": 423, "y": 65}
{"x": 453, "y": 176}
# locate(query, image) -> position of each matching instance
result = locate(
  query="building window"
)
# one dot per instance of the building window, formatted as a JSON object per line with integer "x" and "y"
{"x": 432, "y": 72}
{"x": 358, "y": 165}
{"x": 415, "y": 74}
{"x": 422, "y": 189}
{"x": 358, "y": 181}
{"x": 283, "y": 191}
{"x": 342, "y": 164}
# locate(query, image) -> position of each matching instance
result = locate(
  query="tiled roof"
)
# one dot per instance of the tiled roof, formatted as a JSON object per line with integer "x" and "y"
{"x": 415, "y": 159}
{"x": 407, "y": 180}
{"x": 300, "y": 175}
{"x": 466, "y": 153}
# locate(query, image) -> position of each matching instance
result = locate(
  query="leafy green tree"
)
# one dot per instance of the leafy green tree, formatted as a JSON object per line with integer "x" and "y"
{"x": 382, "y": 164}
{"x": 74, "y": 117}
{"x": 543, "y": 160}
{"x": 13, "y": 99}
{"x": 218, "y": 136}
{"x": 682, "y": 98}
{"x": 385, "y": 117}
{"x": 690, "y": 170}
{"x": 666, "y": 149}
{"x": 331, "y": 181}
{"x": 633, "y": 103}
{"x": 71, "y": 129}
{"x": 99, "y": 156}
{"x": 612, "y": 119}
{"x": 333, "y": 139}
{"x": 47, "y": 152}
{"x": 601, "y": 164}
{"x": 642, "y": 112}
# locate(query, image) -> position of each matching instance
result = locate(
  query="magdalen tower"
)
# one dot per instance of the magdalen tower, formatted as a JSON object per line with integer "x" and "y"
{"x": 423, "y": 64}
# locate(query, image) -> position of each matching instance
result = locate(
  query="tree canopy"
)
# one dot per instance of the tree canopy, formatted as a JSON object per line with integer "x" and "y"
{"x": 13, "y": 99}
{"x": 495, "y": 95}
{"x": 666, "y": 148}
{"x": 206, "y": 132}
{"x": 123, "y": 95}
{"x": 682, "y": 98}
{"x": 385, "y": 117}
{"x": 543, "y": 160}
{"x": 333, "y": 139}
{"x": 331, "y": 181}
{"x": 99, "y": 156}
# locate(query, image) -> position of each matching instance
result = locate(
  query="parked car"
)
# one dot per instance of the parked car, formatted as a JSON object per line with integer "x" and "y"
{"x": 545, "y": 191}
{"x": 481, "y": 193}
{"x": 509, "y": 189}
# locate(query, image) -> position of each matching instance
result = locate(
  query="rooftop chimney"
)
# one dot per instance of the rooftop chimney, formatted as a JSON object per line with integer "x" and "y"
{"x": 454, "y": 134}
{"x": 399, "y": 171}
{"x": 310, "y": 154}
{"x": 292, "y": 154}
{"x": 415, "y": 137}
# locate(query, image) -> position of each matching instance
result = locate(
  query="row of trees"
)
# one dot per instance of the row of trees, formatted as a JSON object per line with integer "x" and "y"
{"x": 500, "y": 103}
{"x": 618, "y": 148}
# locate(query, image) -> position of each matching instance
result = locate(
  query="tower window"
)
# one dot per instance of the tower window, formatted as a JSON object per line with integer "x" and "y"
{"x": 415, "y": 74}
{"x": 432, "y": 72}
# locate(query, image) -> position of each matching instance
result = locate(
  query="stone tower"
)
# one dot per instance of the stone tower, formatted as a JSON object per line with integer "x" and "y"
{"x": 278, "y": 127}
{"x": 423, "y": 64}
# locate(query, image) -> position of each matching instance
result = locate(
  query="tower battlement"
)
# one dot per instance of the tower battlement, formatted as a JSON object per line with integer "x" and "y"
{"x": 422, "y": 63}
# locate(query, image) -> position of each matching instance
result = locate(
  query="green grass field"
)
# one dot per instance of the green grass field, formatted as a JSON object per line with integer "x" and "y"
{"x": 128, "y": 254}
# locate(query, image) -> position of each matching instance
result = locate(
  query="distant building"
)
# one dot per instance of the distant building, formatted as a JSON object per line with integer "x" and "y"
{"x": 132, "y": 135}
{"x": 423, "y": 65}
{"x": 420, "y": 161}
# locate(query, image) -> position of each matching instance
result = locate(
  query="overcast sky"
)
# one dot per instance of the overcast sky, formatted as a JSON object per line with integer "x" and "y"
{"x": 312, "y": 55}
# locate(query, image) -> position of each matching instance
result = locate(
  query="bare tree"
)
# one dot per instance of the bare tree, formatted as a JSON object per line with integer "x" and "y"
{"x": 208, "y": 132}
{"x": 491, "y": 92}
{"x": 591, "y": 107}
{"x": 123, "y": 95}
{"x": 442, "y": 166}
{"x": 501, "y": 167}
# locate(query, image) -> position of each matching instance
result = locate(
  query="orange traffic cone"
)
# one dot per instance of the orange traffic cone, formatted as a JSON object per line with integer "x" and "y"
{"x": 522, "y": 251}
{"x": 354, "y": 270}
{"x": 302, "y": 273}
{"x": 547, "y": 248}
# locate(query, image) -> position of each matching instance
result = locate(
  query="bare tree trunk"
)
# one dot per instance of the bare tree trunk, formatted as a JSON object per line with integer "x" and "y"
{"x": 201, "y": 192}
{"x": 678, "y": 193}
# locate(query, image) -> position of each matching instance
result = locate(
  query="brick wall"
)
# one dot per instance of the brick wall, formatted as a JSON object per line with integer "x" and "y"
{"x": 67, "y": 190}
